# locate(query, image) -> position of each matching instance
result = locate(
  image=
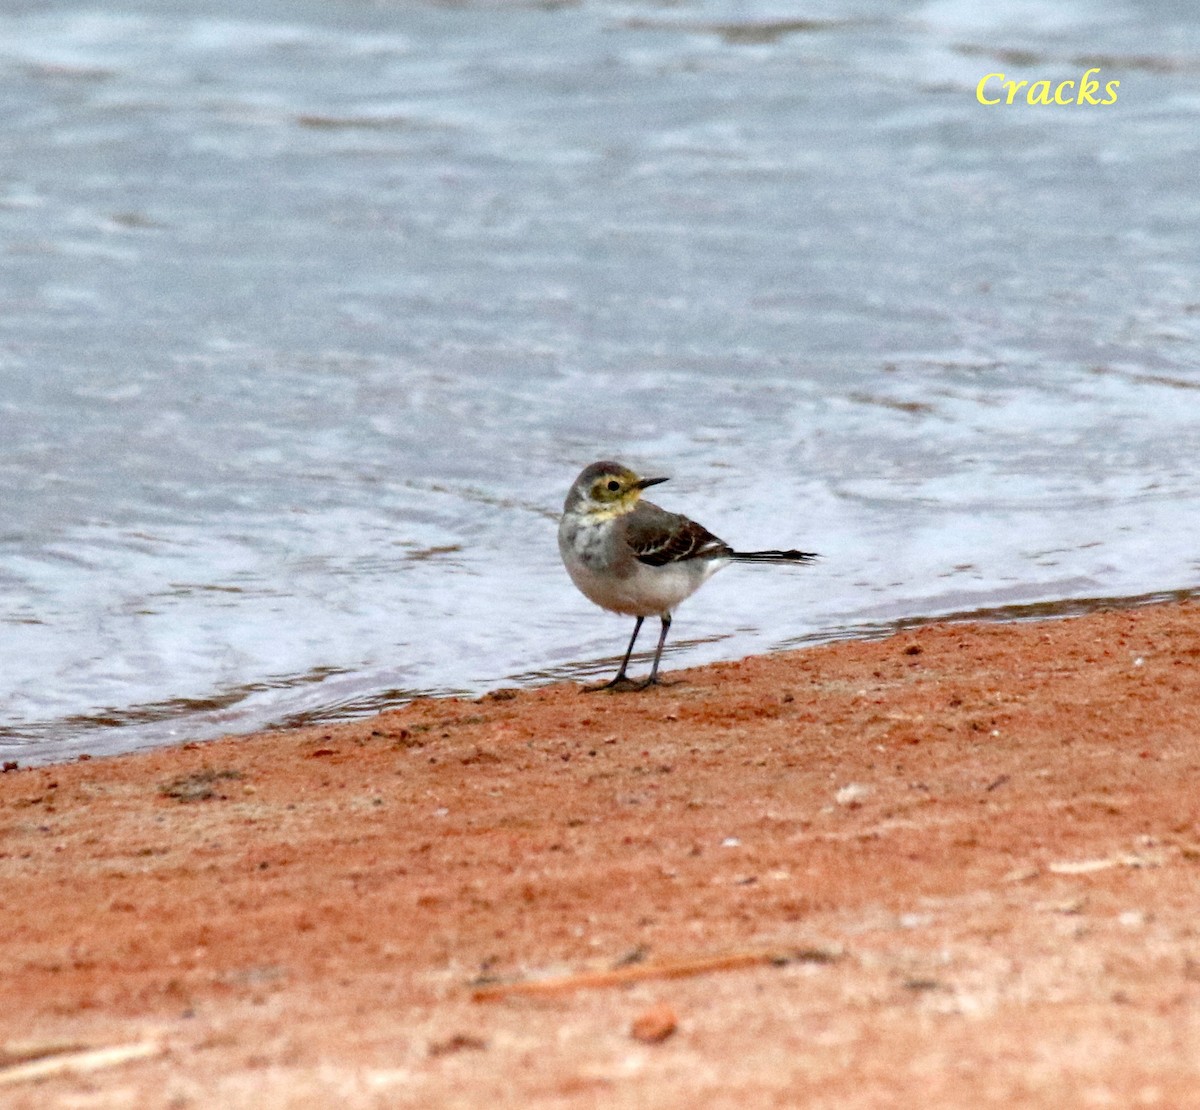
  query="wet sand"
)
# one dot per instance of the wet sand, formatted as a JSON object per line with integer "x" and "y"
{"x": 960, "y": 866}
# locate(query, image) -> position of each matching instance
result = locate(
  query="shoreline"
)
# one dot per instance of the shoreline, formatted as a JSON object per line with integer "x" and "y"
{"x": 1018, "y": 612}
{"x": 959, "y": 864}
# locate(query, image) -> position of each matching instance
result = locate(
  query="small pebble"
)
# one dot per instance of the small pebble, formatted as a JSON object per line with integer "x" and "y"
{"x": 654, "y": 1025}
{"x": 852, "y": 794}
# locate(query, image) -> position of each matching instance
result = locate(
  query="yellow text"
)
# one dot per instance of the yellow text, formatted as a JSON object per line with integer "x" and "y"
{"x": 996, "y": 88}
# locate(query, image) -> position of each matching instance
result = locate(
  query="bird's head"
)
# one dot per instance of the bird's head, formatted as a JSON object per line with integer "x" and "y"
{"x": 607, "y": 489}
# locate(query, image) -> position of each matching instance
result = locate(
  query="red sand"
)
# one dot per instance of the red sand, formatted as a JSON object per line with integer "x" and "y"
{"x": 958, "y": 867}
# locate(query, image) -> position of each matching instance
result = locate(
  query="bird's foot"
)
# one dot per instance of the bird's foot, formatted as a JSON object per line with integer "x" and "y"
{"x": 620, "y": 682}
{"x": 623, "y": 684}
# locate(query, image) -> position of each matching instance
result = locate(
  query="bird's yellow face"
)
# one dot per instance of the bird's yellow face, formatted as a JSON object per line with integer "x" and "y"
{"x": 607, "y": 490}
{"x": 615, "y": 487}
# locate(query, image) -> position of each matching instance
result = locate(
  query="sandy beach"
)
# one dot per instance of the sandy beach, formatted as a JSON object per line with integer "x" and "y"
{"x": 959, "y": 866}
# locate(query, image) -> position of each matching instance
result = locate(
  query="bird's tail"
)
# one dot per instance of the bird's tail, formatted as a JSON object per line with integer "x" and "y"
{"x": 792, "y": 556}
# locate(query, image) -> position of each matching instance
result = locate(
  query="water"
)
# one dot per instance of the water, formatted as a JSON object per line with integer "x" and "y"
{"x": 308, "y": 318}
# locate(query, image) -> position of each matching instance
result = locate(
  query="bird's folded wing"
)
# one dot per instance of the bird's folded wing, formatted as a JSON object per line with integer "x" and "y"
{"x": 657, "y": 537}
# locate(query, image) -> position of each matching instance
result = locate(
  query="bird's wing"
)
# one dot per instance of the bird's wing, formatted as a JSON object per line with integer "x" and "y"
{"x": 657, "y": 537}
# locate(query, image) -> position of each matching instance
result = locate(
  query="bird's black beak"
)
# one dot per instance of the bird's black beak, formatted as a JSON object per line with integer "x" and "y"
{"x": 642, "y": 483}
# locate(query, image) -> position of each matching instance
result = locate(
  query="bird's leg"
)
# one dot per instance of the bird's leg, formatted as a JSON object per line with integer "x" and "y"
{"x": 662, "y": 639}
{"x": 619, "y": 678}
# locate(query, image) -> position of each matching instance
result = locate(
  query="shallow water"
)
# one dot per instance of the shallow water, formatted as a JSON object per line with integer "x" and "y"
{"x": 310, "y": 317}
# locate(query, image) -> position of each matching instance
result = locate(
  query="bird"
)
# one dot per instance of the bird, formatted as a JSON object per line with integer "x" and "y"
{"x": 629, "y": 556}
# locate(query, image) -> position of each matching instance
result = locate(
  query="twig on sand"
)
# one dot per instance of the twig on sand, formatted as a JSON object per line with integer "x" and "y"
{"x": 665, "y": 969}
{"x": 77, "y": 1062}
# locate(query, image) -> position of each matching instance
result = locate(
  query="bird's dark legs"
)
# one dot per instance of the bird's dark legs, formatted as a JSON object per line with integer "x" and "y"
{"x": 662, "y": 639}
{"x": 619, "y": 678}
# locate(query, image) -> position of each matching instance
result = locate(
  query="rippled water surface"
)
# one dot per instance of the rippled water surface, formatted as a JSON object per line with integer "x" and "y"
{"x": 309, "y": 316}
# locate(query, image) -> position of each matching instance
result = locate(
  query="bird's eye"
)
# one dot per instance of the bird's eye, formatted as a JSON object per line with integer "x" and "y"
{"x": 614, "y": 485}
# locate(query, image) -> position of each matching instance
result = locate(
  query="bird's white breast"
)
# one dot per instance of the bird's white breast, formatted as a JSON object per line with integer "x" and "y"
{"x": 609, "y": 575}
